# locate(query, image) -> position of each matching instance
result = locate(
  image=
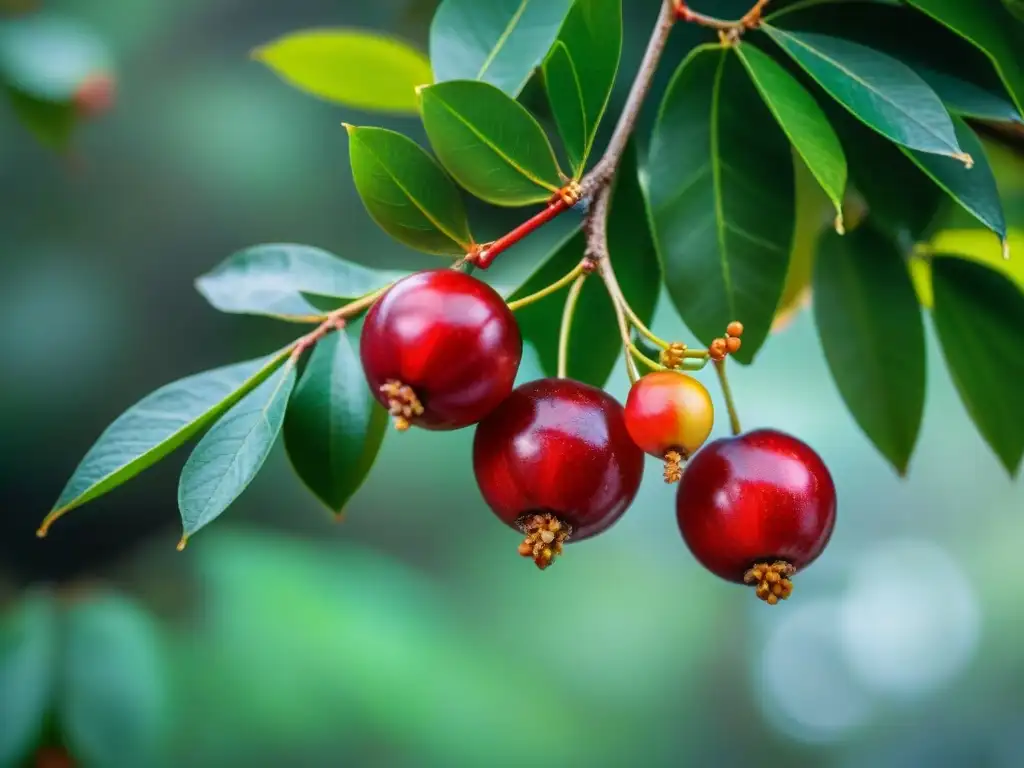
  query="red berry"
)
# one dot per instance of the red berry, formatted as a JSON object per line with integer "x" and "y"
{"x": 669, "y": 415}
{"x": 95, "y": 95}
{"x": 53, "y": 757}
{"x": 555, "y": 461}
{"x": 757, "y": 508}
{"x": 440, "y": 350}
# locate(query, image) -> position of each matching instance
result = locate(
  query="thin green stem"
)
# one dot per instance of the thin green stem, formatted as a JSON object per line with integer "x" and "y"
{"x": 730, "y": 403}
{"x": 642, "y": 328}
{"x": 566, "y": 330}
{"x": 654, "y": 366}
{"x": 555, "y": 287}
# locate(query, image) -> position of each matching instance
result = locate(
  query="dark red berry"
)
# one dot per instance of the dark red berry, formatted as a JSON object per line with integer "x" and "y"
{"x": 669, "y": 415}
{"x": 556, "y": 462}
{"x": 53, "y": 757}
{"x": 756, "y": 509}
{"x": 95, "y": 95}
{"x": 440, "y": 350}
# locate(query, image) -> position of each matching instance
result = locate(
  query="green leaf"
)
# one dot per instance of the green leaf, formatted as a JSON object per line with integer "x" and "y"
{"x": 724, "y": 205}
{"x": 407, "y": 193}
{"x": 562, "y": 82}
{"x": 28, "y": 646}
{"x": 974, "y": 188}
{"x": 900, "y": 199}
{"x": 499, "y": 42}
{"x": 592, "y": 40}
{"x": 489, "y": 143}
{"x": 352, "y": 67}
{"x": 879, "y": 90}
{"x": 276, "y": 279}
{"x": 969, "y": 100}
{"x": 803, "y": 121}
{"x": 979, "y": 317}
{"x": 595, "y": 345}
{"x": 989, "y": 28}
{"x": 157, "y": 425}
{"x": 51, "y": 122}
{"x": 47, "y": 57}
{"x": 114, "y": 695}
{"x": 232, "y": 453}
{"x": 334, "y": 427}
{"x": 871, "y": 330}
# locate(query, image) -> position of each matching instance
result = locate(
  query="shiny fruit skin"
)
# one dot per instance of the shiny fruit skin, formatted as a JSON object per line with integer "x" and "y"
{"x": 448, "y": 336}
{"x": 763, "y": 496}
{"x": 561, "y": 447}
{"x": 669, "y": 411}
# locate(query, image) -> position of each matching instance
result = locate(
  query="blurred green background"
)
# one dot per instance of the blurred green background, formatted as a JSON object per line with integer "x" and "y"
{"x": 410, "y": 634}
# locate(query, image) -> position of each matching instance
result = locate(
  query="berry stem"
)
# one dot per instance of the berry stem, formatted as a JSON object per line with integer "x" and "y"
{"x": 730, "y": 403}
{"x": 334, "y": 321}
{"x": 568, "y": 314}
{"x": 555, "y": 287}
{"x": 486, "y": 256}
{"x": 749, "y": 20}
{"x": 643, "y": 330}
{"x": 639, "y": 355}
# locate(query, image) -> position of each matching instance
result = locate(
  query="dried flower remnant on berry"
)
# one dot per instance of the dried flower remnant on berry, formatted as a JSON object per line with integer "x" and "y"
{"x": 673, "y": 355}
{"x": 403, "y": 404}
{"x": 772, "y": 582}
{"x": 545, "y": 536}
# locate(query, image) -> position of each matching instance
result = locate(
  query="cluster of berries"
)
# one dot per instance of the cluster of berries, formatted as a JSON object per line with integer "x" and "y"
{"x": 561, "y": 461}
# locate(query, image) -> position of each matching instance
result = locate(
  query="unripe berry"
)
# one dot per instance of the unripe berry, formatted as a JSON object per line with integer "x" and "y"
{"x": 669, "y": 415}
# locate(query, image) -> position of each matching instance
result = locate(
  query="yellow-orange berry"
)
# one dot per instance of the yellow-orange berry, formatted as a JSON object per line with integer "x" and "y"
{"x": 732, "y": 345}
{"x": 668, "y": 411}
{"x": 735, "y": 329}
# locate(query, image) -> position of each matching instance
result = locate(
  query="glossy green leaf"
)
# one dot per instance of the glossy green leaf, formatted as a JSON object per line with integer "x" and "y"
{"x": 991, "y": 29}
{"x": 803, "y": 121}
{"x": 28, "y": 645}
{"x": 969, "y": 100}
{"x": 596, "y": 344}
{"x": 47, "y": 57}
{"x": 114, "y": 694}
{"x": 592, "y": 37}
{"x": 871, "y": 330}
{"x": 334, "y": 427}
{"x": 352, "y": 67}
{"x": 489, "y": 143}
{"x": 975, "y": 188}
{"x": 883, "y": 92}
{"x": 157, "y": 425}
{"x": 276, "y": 279}
{"x": 724, "y": 205}
{"x": 232, "y": 453}
{"x": 565, "y": 93}
{"x": 407, "y": 193}
{"x": 499, "y": 42}
{"x": 979, "y": 317}
{"x": 900, "y": 198}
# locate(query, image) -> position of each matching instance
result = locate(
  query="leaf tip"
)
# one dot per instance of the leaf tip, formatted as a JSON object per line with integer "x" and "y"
{"x": 349, "y": 128}
{"x": 964, "y": 158}
{"x": 48, "y": 521}
{"x": 420, "y": 89}
{"x": 182, "y": 543}
{"x": 1006, "y": 249}
{"x": 839, "y": 224}
{"x": 258, "y": 53}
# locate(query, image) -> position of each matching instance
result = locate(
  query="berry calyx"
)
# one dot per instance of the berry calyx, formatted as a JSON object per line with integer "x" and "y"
{"x": 756, "y": 509}
{"x": 440, "y": 350}
{"x": 556, "y": 462}
{"x": 669, "y": 415}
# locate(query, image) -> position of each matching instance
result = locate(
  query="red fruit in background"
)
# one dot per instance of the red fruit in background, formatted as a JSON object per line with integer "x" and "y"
{"x": 440, "y": 350}
{"x": 556, "y": 461}
{"x": 53, "y": 757}
{"x": 756, "y": 509}
{"x": 669, "y": 415}
{"x": 95, "y": 95}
